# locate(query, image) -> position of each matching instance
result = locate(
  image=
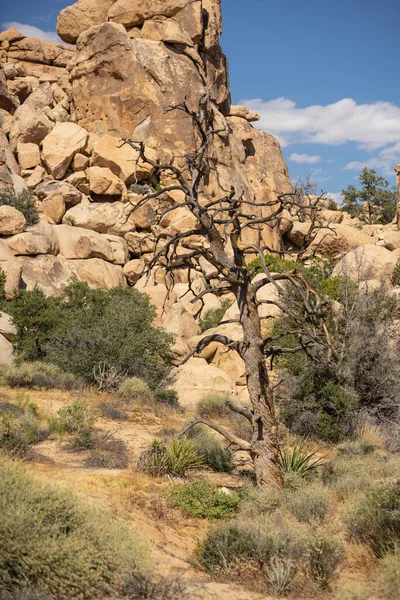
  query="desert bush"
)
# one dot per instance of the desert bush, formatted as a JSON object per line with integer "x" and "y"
{"x": 375, "y": 520}
{"x": 214, "y": 405}
{"x": 389, "y": 576}
{"x": 167, "y": 396}
{"x": 309, "y": 503}
{"x": 23, "y": 201}
{"x": 213, "y": 318}
{"x": 258, "y": 540}
{"x": 135, "y": 389}
{"x": 41, "y": 375}
{"x": 18, "y": 433}
{"x": 107, "y": 452}
{"x": 324, "y": 556}
{"x": 109, "y": 410}
{"x": 86, "y": 327}
{"x": 214, "y": 454}
{"x": 53, "y": 542}
{"x": 173, "y": 457}
{"x": 156, "y": 587}
{"x": 323, "y": 398}
{"x": 74, "y": 418}
{"x": 396, "y": 274}
{"x": 202, "y": 499}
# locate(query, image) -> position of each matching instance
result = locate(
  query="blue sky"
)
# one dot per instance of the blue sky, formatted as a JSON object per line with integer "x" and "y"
{"x": 322, "y": 73}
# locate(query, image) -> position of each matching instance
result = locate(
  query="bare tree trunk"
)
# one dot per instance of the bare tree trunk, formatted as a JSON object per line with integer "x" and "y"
{"x": 264, "y": 442}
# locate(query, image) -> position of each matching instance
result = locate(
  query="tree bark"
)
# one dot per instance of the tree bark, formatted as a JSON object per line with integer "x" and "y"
{"x": 264, "y": 453}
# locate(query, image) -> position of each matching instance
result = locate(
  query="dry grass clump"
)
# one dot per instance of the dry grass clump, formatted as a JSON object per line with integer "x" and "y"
{"x": 370, "y": 437}
{"x": 171, "y": 457}
{"x": 53, "y": 543}
{"x": 134, "y": 389}
{"x": 41, "y": 375}
{"x": 20, "y": 427}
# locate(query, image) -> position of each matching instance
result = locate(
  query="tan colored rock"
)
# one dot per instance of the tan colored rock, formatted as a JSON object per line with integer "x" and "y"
{"x": 7, "y": 327}
{"x": 181, "y": 323}
{"x": 80, "y": 162}
{"x": 53, "y": 207}
{"x": 197, "y": 379}
{"x": 231, "y": 363}
{"x": 98, "y": 216}
{"x": 119, "y": 249}
{"x": 37, "y": 239}
{"x": 133, "y": 270}
{"x": 28, "y": 155}
{"x": 140, "y": 243}
{"x": 12, "y": 221}
{"x": 162, "y": 298}
{"x": 38, "y": 175}
{"x": 74, "y": 20}
{"x": 98, "y": 273}
{"x": 179, "y": 220}
{"x": 79, "y": 180}
{"x": 298, "y": 232}
{"x": 30, "y": 124}
{"x": 131, "y": 14}
{"x": 71, "y": 196}
{"x": 13, "y": 277}
{"x": 144, "y": 216}
{"x": 61, "y": 145}
{"x": 9, "y": 169}
{"x": 6, "y": 351}
{"x": 11, "y": 35}
{"x": 21, "y": 88}
{"x": 7, "y": 102}
{"x": 391, "y": 240}
{"x": 122, "y": 161}
{"x": 162, "y": 29}
{"x": 39, "y": 51}
{"x": 50, "y": 273}
{"x": 5, "y": 121}
{"x": 367, "y": 262}
{"x": 341, "y": 240}
{"x": 239, "y": 111}
{"x": 102, "y": 181}
{"x": 79, "y": 243}
{"x": 190, "y": 18}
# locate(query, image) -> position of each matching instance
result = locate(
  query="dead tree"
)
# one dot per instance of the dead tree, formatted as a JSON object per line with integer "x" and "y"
{"x": 218, "y": 237}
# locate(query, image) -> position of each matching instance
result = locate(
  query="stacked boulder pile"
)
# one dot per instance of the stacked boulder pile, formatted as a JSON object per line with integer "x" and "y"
{"x": 125, "y": 63}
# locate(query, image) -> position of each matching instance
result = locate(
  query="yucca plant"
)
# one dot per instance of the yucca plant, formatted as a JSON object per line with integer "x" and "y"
{"x": 280, "y": 574}
{"x": 173, "y": 457}
{"x": 299, "y": 459}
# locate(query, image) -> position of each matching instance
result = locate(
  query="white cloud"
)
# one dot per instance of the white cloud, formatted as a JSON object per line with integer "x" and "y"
{"x": 304, "y": 159}
{"x": 384, "y": 161}
{"x": 336, "y": 196}
{"x": 371, "y": 126}
{"x": 32, "y": 31}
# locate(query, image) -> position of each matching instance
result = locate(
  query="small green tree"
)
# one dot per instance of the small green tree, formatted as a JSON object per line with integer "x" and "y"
{"x": 372, "y": 201}
{"x": 86, "y": 329}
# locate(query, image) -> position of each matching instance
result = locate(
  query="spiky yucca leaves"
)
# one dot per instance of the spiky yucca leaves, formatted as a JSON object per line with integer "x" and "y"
{"x": 173, "y": 457}
{"x": 299, "y": 459}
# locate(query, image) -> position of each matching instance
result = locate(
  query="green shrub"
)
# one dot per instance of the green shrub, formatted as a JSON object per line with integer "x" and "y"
{"x": 23, "y": 201}
{"x": 376, "y": 519}
{"x": 309, "y": 503}
{"x": 18, "y": 433}
{"x": 202, "y": 499}
{"x": 213, "y": 318}
{"x": 274, "y": 263}
{"x": 396, "y": 274}
{"x": 389, "y": 577}
{"x": 173, "y": 457}
{"x": 214, "y": 405}
{"x": 258, "y": 540}
{"x": 215, "y": 455}
{"x": 41, "y": 375}
{"x": 52, "y": 542}
{"x": 135, "y": 389}
{"x": 324, "y": 556}
{"x": 167, "y": 396}
{"x": 85, "y": 328}
{"x": 74, "y": 418}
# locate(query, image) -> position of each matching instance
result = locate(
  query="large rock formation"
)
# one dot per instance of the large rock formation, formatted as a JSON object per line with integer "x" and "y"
{"x": 134, "y": 60}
